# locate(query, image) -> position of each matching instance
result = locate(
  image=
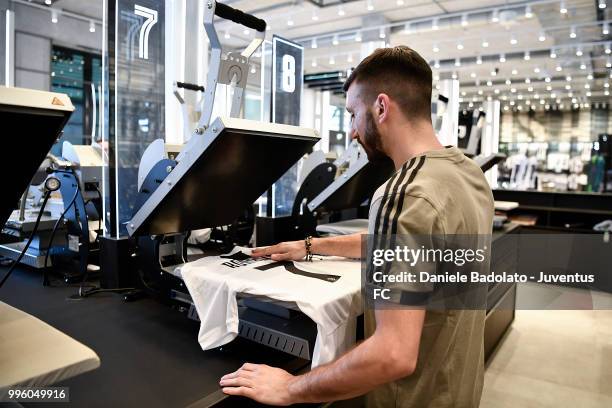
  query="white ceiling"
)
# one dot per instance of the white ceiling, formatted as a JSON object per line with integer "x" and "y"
{"x": 391, "y": 14}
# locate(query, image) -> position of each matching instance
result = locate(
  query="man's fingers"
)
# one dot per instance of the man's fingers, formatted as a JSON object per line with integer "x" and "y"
{"x": 249, "y": 367}
{"x": 281, "y": 257}
{"x": 263, "y": 251}
{"x": 236, "y": 382}
{"x": 240, "y": 391}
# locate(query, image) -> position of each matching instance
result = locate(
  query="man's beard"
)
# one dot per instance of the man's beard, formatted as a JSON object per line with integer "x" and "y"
{"x": 372, "y": 142}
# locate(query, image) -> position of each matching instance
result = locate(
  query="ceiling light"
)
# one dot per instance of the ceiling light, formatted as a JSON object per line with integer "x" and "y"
{"x": 608, "y": 48}
{"x": 553, "y": 53}
{"x": 572, "y": 33}
{"x": 582, "y": 65}
{"x": 558, "y": 68}
{"x": 246, "y": 31}
{"x": 602, "y": 4}
{"x": 434, "y": 24}
{"x": 495, "y": 16}
{"x": 92, "y": 26}
{"x": 464, "y": 20}
{"x": 48, "y": 2}
{"x": 436, "y": 48}
{"x": 579, "y": 52}
{"x": 349, "y": 58}
{"x": 315, "y": 17}
{"x": 54, "y": 16}
{"x": 547, "y": 79}
{"x": 370, "y": 5}
{"x": 508, "y": 82}
{"x": 568, "y": 87}
{"x": 489, "y": 83}
{"x": 588, "y": 93}
{"x": 587, "y": 86}
{"x": 502, "y": 57}
{"x": 253, "y": 69}
{"x": 358, "y": 36}
{"x": 530, "y": 89}
{"x": 313, "y": 43}
{"x": 335, "y": 40}
{"x": 400, "y": 2}
{"x": 608, "y": 64}
{"x": 542, "y": 36}
{"x": 485, "y": 43}
{"x": 459, "y": 46}
{"x": 407, "y": 28}
{"x": 513, "y": 40}
{"x": 568, "y": 78}
{"x": 528, "y": 12}
{"x": 473, "y": 75}
{"x": 606, "y": 85}
{"x": 590, "y": 77}
{"x": 437, "y": 64}
{"x": 454, "y": 76}
{"x": 513, "y": 90}
{"x": 527, "y": 56}
{"x": 479, "y": 60}
{"x": 341, "y": 11}
{"x": 381, "y": 33}
{"x": 332, "y": 61}
{"x": 536, "y": 70}
{"x": 480, "y": 92}
{"x": 290, "y": 22}
{"x": 549, "y": 88}
{"x": 314, "y": 63}
{"x": 527, "y": 80}
{"x": 493, "y": 73}
{"x": 227, "y": 35}
{"x": 605, "y": 29}
{"x": 562, "y": 8}
{"x": 514, "y": 71}
{"x": 457, "y": 62}
{"x": 496, "y": 91}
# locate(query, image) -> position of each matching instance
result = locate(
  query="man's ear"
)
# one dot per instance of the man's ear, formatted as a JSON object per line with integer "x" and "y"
{"x": 381, "y": 107}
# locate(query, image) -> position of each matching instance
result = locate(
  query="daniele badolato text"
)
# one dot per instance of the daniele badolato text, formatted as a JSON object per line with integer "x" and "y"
{"x": 411, "y": 258}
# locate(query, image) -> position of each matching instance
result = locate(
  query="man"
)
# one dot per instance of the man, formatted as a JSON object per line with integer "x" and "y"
{"x": 410, "y": 357}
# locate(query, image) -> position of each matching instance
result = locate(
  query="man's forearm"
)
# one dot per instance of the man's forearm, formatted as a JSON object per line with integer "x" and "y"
{"x": 356, "y": 373}
{"x": 344, "y": 245}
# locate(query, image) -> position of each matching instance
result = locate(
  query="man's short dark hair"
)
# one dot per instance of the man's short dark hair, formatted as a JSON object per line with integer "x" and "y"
{"x": 399, "y": 72}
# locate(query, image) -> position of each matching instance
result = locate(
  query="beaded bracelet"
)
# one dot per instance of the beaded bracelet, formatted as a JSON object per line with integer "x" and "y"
{"x": 308, "y": 244}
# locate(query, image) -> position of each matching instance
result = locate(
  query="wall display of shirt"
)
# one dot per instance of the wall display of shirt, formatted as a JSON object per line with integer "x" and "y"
{"x": 136, "y": 99}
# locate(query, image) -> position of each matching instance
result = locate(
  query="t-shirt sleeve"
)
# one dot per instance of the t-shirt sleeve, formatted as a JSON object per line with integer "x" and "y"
{"x": 411, "y": 229}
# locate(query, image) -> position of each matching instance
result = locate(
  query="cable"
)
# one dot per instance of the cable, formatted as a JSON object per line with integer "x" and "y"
{"x": 61, "y": 217}
{"x": 27, "y": 245}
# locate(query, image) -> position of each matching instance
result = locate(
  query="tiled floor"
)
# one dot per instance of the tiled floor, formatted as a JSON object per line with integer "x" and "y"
{"x": 554, "y": 358}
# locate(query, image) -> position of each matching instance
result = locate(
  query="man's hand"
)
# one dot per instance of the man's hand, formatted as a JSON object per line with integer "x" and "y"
{"x": 262, "y": 383}
{"x": 285, "y": 251}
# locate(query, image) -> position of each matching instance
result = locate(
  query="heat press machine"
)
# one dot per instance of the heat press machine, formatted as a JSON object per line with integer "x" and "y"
{"x": 224, "y": 167}
{"x": 325, "y": 192}
{"x": 42, "y": 116}
{"x": 69, "y": 224}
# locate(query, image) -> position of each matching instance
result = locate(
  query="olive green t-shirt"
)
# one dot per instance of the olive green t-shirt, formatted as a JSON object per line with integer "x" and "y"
{"x": 439, "y": 192}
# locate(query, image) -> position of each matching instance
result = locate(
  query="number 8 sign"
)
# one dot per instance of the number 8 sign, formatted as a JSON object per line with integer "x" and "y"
{"x": 287, "y": 81}
{"x": 288, "y": 73}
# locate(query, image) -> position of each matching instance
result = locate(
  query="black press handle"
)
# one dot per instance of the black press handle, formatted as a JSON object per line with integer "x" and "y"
{"x": 191, "y": 87}
{"x": 240, "y": 17}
